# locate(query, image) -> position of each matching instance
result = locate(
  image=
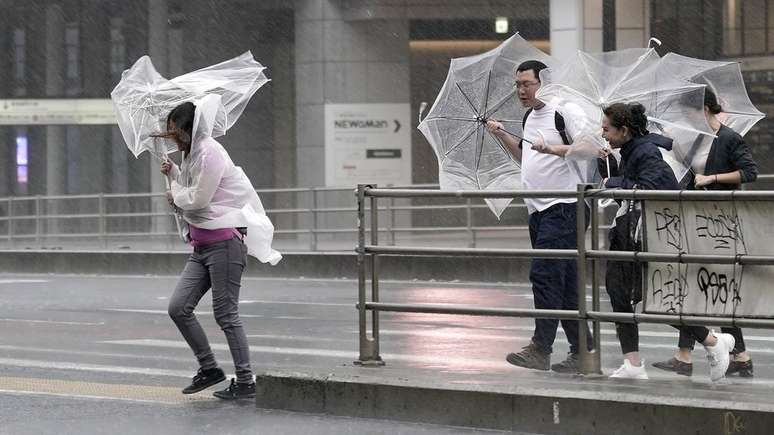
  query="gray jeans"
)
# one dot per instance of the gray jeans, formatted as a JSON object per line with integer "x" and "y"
{"x": 218, "y": 266}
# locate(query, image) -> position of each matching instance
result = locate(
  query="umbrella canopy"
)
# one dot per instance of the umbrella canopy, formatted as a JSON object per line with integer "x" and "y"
{"x": 476, "y": 89}
{"x": 143, "y": 98}
{"x": 725, "y": 79}
{"x": 591, "y": 81}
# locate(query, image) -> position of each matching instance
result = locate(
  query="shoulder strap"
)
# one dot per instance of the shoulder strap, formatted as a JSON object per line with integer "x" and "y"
{"x": 560, "y": 127}
{"x": 524, "y": 123}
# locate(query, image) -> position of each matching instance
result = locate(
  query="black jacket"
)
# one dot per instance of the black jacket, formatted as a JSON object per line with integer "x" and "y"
{"x": 730, "y": 153}
{"x": 642, "y": 165}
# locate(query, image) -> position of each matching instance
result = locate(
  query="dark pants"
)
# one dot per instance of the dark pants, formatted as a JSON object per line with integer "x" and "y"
{"x": 218, "y": 266}
{"x": 623, "y": 282}
{"x": 687, "y": 340}
{"x": 555, "y": 281}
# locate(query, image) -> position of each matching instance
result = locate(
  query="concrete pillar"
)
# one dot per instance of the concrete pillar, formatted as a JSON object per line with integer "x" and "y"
{"x": 340, "y": 60}
{"x": 632, "y": 23}
{"x": 575, "y": 25}
{"x": 158, "y": 51}
{"x": 94, "y": 142}
{"x": 343, "y": 55}
{"x": 56, "y": 156}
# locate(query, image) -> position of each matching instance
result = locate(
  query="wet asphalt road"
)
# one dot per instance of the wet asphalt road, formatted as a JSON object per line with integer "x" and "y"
{"x": 89, "y": 354}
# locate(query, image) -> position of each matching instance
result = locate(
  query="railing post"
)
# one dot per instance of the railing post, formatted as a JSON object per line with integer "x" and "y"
{"x": 369, "y": 353}
{"x": 10, "y": 221}
{"x": 597, "y": 360}
{"x": 102, "y": 223}
{"x": 469, "y": 224}
{"x": 313, "y": 208}
{"x": 391, "y": 229}
{"x": 585, "y": 359}
{"x": 375, "y": 276}
{"x": 37, "y": 220}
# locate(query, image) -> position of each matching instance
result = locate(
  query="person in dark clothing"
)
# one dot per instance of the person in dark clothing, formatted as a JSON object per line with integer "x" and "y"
{"x": 642, "y": 167}
{"x": 729, "y": 165}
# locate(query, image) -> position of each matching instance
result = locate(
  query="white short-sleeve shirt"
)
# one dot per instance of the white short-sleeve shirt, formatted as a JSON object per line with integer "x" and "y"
{"x": 545, "y": 171}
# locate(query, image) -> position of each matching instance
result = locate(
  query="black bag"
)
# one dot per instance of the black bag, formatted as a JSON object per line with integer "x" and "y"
{"x": 624, "y": 236}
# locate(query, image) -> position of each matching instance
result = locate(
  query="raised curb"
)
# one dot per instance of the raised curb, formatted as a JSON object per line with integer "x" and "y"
{"x": 538, "y": 410}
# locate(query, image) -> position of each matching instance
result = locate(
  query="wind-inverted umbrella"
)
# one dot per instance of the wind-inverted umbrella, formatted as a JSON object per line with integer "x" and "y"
{"x": 478, "y": 88}
{"x": 593, "y": 81}
{"x": 143, "y": 98}
{"x": 725, "y": 79}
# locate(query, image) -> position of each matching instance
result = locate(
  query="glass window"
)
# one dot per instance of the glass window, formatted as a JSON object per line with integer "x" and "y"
{"x": 117, "y": 48}
{"x": 72, "y": 58}
{"x": 732, "y": 27}
{"x": 754, "y": 41}
{"x": 19, "y": 54}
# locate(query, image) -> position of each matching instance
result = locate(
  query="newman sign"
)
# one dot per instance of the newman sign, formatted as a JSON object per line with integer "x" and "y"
{"x": 367, "y": 143}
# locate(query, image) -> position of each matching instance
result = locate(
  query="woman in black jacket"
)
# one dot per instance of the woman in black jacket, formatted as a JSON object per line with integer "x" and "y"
{"x": 642, "y": 167}
{"x": 729, "y": 165}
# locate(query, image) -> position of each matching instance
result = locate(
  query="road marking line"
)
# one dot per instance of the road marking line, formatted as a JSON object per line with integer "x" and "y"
{"x": 22, "y": 281}
{"x": 61, "y": 365}
{"x": 166, "y": 313}
{"x": 53, "y": 322}
{"x": 324, "y": 304}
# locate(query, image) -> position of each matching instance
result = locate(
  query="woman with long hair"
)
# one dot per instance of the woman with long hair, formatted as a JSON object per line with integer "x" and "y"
{"x": 729, "y": 164}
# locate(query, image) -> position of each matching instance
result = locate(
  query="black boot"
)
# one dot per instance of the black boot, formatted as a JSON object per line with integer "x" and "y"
{"x": 204, "y": 379}
{"x": 236, "y": 391}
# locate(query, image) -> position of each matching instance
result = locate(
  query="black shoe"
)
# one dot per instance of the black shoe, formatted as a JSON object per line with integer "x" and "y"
{"x": 204, "y": 379}
{"x": 675, "y": 365}
{"x": 744, "y": 369}
{"x": 236, "y": 391}
{"x": 570, "y": 365}
{"x": 530, "y": 357}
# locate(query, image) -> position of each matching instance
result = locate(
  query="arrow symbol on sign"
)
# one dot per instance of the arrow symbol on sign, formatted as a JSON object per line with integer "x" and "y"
{"x": 397, "y": 126}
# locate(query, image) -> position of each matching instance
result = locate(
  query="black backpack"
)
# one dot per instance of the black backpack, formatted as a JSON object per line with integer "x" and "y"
{"x": 558, "y": 123}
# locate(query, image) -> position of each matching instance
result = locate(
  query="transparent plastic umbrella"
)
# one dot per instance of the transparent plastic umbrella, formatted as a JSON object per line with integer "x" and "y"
{"x": 725, "y": 79}
{"x": 592, "y": 81}
{"x": 143, "y": 98}
{"x": 478, "y": 88}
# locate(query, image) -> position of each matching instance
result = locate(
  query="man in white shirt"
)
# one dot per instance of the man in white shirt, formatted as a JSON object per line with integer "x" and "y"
{"x": 552, "y": 221}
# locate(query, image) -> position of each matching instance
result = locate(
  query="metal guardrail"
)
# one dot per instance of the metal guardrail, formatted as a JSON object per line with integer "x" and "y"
{"x": 35, "y": 219}
{"x": 30, "y": 219}
{"x": 368, "y": 254}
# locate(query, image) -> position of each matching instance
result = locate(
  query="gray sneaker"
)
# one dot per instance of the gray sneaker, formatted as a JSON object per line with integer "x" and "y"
{"x": 570, "y": 365}
{"x": 530, "y": 357}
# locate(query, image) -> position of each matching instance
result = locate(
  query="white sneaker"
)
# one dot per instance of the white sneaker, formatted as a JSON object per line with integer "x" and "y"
{"x": 628, "y": 371}
{"x": 718, "y": 355}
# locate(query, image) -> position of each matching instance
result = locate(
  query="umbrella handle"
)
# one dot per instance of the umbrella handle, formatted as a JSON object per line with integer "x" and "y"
{"x": 516, "y": 136}
{"x": 169, "y": 187}
{"x": 176, "y": 213}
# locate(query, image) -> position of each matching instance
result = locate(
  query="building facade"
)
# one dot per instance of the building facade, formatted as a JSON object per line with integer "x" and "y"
{"x": 318, "y": 53}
